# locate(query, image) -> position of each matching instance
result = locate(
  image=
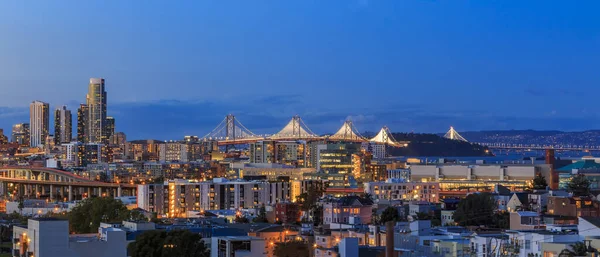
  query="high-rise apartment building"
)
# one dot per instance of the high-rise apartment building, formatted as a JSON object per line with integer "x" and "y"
{"x": 285, "y": 152}
{"x": 109, "y": 129}
{"x": 96, "y": 108}
{"x": 82, "y": 117}
{"x": 20, "y": 134}
{"x": 118, "y": 138}
{"x": 89, "y": 154}
{"x": 3, "y": 138}
{"x": 62, "y": 125}
{"x": 39, "y": 117}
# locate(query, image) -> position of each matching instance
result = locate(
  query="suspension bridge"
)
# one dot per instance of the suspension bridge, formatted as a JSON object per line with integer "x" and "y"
{"x": 454, "y": 135}
{"x": 232, "y": 132}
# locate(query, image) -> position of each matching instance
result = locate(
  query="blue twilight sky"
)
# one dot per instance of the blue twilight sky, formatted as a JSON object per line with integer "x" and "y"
{"x": 174, "y": 68}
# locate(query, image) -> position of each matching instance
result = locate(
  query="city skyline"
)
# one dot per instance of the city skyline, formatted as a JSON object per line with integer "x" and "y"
{"x": 414, "y": 66}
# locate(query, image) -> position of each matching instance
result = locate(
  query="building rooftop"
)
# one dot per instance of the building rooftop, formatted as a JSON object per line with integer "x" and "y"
{"x": 593, "y": 220}
{"x": 83, "y": 238}
{"x": 48, "y": 219}
{"x": 580, "y": 165}
{"x": 528, "y": 214}
{"x": 239, "y": 238}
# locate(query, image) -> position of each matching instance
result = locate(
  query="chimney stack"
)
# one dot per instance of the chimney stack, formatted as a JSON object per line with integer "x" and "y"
{"x": 389, "y": 238}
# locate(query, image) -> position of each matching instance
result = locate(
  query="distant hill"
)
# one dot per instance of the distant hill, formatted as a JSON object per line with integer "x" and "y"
{"x": 435, "y": 145}
{"x": 542, "y": 137}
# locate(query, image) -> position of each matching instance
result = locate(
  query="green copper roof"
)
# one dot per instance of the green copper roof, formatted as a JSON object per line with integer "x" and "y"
{"x": 580, "y": 165}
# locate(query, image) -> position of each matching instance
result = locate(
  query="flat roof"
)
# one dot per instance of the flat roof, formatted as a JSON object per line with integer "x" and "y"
{"x": 239, "y": 238}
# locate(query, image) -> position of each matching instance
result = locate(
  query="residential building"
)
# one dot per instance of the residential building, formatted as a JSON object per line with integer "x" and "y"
{"x": 262, "y": 152}
{"x": 143, "y": 150}
{"x": 96, "y": 112}
{"x": 517, "y": 202}
{"x": 62, "y": 126}
{"x": 89, "y": 154}
{"x": 421, "y": 207}
{"x": 394, "y": 189}
{"x": 588, "y": 226}
{"x": 377, "y": 150}
{"x": 293, "y": 153}
{"x": 183, "y": 197}
{"x": 335, "y": 158}
{"x": 118, "y": 138}
{"x": 154, "y": 169}
{"x": 447, "y": 217}
{"x": 573, "y": 206}
{"x": 232, "y": 246}
{"x": 153, "y": 198}
{"x": 273, "y": 235}
{"x": 173, "y": 152}
{"x": 82, "y": 122}
{"x": 70, "y": 153}
{"x": 38, "y": 123}
{"x": 348, "y": 210}
{"x": 287, "y": 212}
{"x": 20, "y": 134}
{"x": 109, "y": 130}
{"x": 49, "y": 237}
{"x": 401, "y": 174}
{"x": 538, "y": 201}
{"x": 528, "y": 243}
{"x": 267, "y": 171}
{"x": 525, "y": 220}
{"x": 375, "y": 172}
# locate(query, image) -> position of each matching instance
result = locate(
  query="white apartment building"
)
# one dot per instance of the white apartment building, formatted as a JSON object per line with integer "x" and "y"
{"x": 245, "y": 246}
{"x": 173, "y": 152}
{"x": 407, "y": 191}
{"x": 48, "y": 237}
{"x": 178, "y": 197}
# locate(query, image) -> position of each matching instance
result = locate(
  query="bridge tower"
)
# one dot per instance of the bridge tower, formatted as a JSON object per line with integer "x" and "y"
{"x": 230, "y": 128}
{"x": 453, "y": 135}
{"x": 230, "y": 132}
{"x": 295, "y": 130}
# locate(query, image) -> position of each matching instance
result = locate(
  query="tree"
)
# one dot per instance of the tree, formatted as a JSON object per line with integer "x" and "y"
{"x": 103, "y": 177}
{"x": 21, "y": 205}
{"x": 89, "y": 213}
{"x": 423, "y": 216}
{"x": 577, "y": 249}
{"x": 435, "y": 221}
{"x": 375, "y": 219}
{"x": 158, "y": 243}
{"x": 308, "y": 202}
{"x": 241, "y": 219}
{"x": 475, "y": 210}
{"x": 389, "y": 214}
{"x": 262, "y": 215}
{"x": 500, "y": 220}
{"x": 5, "y": 234}
{"x": 579, "y": 186}
{"x": 539, "y": 182}
{"x": 136, "y": 215}
{"x": 369, "y": 196}
{"x": 292, "y": 249}
{"x": 159, "y": 180}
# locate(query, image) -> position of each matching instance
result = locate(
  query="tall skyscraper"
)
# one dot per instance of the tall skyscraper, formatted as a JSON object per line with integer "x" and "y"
{"x": 62, "y": 125}
{"x": 109, "y": 130}
{"x": 96, "y": 104}
{"x": 3, "y": 138}
{"x": 82, "y": 117}
{"x": 39, "y": 119}
{"x": 20, "y": 134}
